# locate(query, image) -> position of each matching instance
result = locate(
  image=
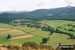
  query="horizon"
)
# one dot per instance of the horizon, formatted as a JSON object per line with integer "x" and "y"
{"x": 31, "y": 5}
{"x": 32, "y": 10}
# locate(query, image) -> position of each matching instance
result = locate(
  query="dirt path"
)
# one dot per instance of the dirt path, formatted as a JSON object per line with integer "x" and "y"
{"x": 3, "y": 48}
{"x": 21, "y": 37}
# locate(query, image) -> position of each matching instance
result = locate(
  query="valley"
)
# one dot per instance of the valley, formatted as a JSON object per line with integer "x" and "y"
{"x": 37, "y": 32}
{"x": 42, "y": 29}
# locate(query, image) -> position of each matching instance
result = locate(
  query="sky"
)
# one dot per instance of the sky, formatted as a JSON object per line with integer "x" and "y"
{"x": 30, "y": 5}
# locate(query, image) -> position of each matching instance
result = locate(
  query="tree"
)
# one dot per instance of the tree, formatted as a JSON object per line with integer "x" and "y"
{"x": 44, "y": 40}
{"x": 51, "y": 29}
{"x": 44, "y": 28}
{"x": 57, "y": 30}
{"x": 9, "y": 36}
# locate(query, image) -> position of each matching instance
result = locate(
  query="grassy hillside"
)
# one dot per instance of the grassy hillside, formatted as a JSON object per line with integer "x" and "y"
{"x": 13, "y": 32}
{"x": 38, "y": 35}
{"x": 56, "y": 23}
{"x": 57, "y": 38}
{"x": 53, "y": 39}
{"x": 62, "y": 38}
{"x": 63, "y": 13}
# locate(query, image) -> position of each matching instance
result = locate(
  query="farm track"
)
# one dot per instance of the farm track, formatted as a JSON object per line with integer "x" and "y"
{"x": 21, "y": 37}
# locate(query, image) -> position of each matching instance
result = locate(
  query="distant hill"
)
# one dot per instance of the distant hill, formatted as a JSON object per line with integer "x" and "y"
{"x": 64, "y": 13}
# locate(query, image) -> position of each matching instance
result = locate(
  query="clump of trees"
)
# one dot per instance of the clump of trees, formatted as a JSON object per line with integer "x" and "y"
{"x": 44, "y": 28}
{"x": 48, "y": 28}
{"x": 71, "y": 30}
{"x": 33, "y": 25}
{"x": 62, "y": 32}
{"x": 70, "y": 25}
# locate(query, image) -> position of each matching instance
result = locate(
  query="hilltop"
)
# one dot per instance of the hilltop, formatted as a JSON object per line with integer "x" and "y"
{"x": 63, "y": 13}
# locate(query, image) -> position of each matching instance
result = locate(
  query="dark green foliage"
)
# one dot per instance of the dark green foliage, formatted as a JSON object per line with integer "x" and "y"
{"x": 48, "y": 28}
{"x": 9, "y": 36}
{"x": 28, "y": 25}
{"x": 71, "y": 30}
{"x": 44, "y": 40}
{"x": 69, "y": 24}
{"x": 73, "y": 25}
{"x": 44, "y": 28}
{"x": 51, "y": 29}
{"x": 33, "y": 25}
{"x": 59, "y": 31}
{"x": 59, "y": 27}
{"x": 65, "y": 13}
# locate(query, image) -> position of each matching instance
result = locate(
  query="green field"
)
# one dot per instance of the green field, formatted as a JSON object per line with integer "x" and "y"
{"x": 54, "y": 39}
{"x": 38, "y": 35}
{"x": 13, "y": 32}
{"x": 57, "y": 38}
{"x": 35, "y": 39}
{"x": 56, "y": 23}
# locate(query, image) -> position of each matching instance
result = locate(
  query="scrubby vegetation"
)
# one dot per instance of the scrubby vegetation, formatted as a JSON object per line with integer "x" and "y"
{"x": 29, "y": 46}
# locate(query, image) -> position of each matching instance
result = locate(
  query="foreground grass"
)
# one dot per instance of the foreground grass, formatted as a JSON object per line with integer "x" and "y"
{"x": 35, "y": 39}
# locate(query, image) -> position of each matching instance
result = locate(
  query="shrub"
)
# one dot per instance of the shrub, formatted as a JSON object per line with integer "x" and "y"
{"x": 9, "y": 36}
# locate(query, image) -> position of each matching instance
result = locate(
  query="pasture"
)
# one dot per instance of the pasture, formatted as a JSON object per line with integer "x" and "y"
{"x": 54, "y": 40}
{"x": 58, "y": 38}
{"x": 13, "y": 32}
{"x": 35, "y": 39}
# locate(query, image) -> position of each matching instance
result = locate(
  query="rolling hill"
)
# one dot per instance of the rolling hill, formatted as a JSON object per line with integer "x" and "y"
{"x": 47, "y": 26}
{"x": 64, "y": 13}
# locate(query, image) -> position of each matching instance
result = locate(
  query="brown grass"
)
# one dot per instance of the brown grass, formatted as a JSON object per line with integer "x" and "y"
{"x": 3, "y": 48}
{"x": 8, "y": 30}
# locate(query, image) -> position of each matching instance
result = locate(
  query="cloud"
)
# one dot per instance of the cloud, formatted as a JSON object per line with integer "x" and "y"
{"x": 20, "y": 5}
{"x": 69, "y": 2}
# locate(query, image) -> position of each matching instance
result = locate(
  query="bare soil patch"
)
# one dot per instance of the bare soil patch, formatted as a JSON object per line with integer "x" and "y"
{"x": 21, "y": 37}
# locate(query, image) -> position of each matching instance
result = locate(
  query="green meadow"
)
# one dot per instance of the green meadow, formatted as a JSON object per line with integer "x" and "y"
{"x": 38, "y": 35}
